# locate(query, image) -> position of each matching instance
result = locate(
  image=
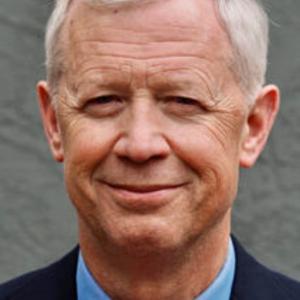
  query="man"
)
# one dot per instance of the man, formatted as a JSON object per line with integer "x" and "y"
{"x": 152, "y": 107}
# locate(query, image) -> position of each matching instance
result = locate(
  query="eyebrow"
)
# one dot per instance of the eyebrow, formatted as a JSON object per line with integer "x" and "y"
{"x": 104, "y": 77}
{"x": 184, "y": 79}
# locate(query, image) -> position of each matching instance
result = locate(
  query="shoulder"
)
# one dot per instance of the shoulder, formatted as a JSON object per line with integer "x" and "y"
{"x": 57, "y": 281}
{"x": 255, "y": 281}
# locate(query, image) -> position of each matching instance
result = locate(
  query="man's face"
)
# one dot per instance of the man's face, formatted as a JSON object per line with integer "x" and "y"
{"x": 152, "y": 123}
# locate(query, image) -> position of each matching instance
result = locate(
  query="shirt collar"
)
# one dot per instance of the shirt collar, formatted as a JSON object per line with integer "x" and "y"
{"x": 88, "y": 288}
{"x": 221, "y": 287}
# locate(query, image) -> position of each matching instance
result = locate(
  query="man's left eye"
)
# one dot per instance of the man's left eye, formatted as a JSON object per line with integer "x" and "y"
{"x": 184, "y": 100}
{"x": 179, "y": 105}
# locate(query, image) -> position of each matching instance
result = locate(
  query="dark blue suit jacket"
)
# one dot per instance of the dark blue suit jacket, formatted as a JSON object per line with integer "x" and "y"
{"x": 57, "y": 282}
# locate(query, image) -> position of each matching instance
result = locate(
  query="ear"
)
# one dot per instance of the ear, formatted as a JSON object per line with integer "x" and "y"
{"x": 259, "y": 124}
{"x": 50, "y": 121}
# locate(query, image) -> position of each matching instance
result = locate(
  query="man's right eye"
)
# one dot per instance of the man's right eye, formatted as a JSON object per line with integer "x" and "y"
{"x": 105, "y": 99}
{"x": 105, "y": 105}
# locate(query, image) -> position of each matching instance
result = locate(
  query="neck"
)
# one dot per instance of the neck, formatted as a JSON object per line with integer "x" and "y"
{"x": 182, "y": 273}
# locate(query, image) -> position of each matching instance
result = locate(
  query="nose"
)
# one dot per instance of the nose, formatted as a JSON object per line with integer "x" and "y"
{"x": 142, "y": 137}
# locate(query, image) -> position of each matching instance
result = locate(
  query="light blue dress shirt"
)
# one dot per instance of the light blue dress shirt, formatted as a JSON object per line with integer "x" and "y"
{"x": 88, "y": 289}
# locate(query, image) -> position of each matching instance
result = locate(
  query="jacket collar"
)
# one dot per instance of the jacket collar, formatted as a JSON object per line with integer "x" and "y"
{"x": 254, "y": 281}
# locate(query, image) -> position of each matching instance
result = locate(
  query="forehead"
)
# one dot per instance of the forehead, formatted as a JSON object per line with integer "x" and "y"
{"x": 157, "y": 21}
{"x": 168, "y": 34}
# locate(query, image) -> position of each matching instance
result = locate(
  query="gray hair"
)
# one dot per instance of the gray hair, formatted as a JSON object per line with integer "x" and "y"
{"x": 245, "y": 22}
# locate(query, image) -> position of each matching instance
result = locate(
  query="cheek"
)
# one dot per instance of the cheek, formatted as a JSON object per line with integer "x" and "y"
{"x": 215, "y": 177}
{"x": 86, "y": 145}
{"x": 206, "y": 146}
{"x": 88, "y": 140}
{"x": 212, "y": 153}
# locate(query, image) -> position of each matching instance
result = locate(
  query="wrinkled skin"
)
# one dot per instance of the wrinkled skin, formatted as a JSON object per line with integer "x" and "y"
{"x": 152, "y": 126}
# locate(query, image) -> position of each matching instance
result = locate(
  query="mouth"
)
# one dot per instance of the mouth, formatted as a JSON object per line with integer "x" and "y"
{"x": 144, "y": 189}
{"x": 143, "y": 198}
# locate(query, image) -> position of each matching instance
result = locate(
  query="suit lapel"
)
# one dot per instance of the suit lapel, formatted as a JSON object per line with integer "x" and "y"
{"x": 253, "y": 281}
{"x": 249, "y": 281}
{"x": 57, "y": 282}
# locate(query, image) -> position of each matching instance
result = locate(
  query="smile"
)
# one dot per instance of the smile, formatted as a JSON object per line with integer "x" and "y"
{"x": 143, "y": 198}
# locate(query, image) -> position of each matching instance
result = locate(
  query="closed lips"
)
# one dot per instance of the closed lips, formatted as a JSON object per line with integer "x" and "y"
{"x": 143, "y": 188}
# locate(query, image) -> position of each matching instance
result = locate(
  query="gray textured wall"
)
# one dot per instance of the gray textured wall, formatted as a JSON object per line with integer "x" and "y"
{"x": 37, "y": 223}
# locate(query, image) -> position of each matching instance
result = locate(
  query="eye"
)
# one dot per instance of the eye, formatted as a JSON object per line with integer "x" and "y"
{"x": 106, "y": 99}
{"x": 184, "y": 101}
{"x": 105, "y": 105}
{"x": 183, "y": 105}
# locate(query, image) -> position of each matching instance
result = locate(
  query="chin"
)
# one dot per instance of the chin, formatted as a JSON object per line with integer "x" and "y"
{"x": 145, "y": 238}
